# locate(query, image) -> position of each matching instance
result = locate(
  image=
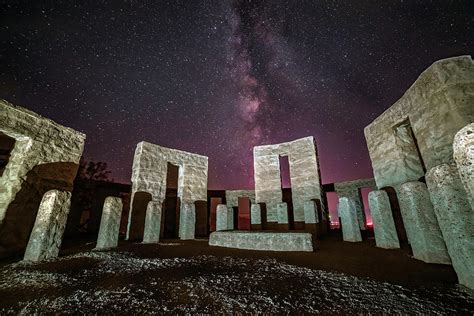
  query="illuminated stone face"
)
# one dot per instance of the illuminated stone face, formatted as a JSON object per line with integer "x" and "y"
{"x": 149, "y": 175}
{"x": 45, "y": 156}
{"x": 304, "y": 174}
{"x": 384, "y": 225}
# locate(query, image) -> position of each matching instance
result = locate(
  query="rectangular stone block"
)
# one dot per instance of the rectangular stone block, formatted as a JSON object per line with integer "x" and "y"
{"x": 384, "y": 225}
{"x": 46, "y": 237}
{"x": 256, "y": 214}
{"x": 153, "y": 215}
{"x": 282, "y": 213}
{"x": 273, "y": 241}
{"x": 222, "y": 218}
{"x": 349, "y": 223}
{"x": 109, "y": 224}
{"x": 187, "y": 221}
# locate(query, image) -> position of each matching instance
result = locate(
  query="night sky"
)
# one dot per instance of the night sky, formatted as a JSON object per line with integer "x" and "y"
{"x": 219, "y": 77}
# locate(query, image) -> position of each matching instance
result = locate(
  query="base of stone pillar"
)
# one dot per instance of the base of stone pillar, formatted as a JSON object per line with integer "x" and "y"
{"x": 299, "y": 226}
{"x": 256, "y": 227}
{"x": 271, "y": 226}
{"x": 284, "y": 227}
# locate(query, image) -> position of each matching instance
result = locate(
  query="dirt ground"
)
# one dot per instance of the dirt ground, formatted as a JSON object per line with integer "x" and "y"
{"x": 192, "y": 277}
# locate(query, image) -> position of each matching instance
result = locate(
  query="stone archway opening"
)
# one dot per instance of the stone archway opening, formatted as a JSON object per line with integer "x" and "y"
{"x": 171, "y": 205}
{"x": 397, "y": 216}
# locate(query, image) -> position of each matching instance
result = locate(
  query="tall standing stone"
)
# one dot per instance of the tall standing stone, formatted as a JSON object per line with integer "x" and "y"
{"x": 109, "y": 224}
{"x": 350, "y": 224}
{"x": 222, "y": 218}
{"x": 455, "y": 218}
{"x": 384, "y": 226}
{"x": 463, "y": 147}
{"x": 151, "y": 233}
{"x": 46, "y": 237}
{"x": 187, "y": 221}
{"x": 426, "y": 239}
{"x": 282, "y": 215}
{"x": 256, "y": 217}
{"x": 311, "y": 217}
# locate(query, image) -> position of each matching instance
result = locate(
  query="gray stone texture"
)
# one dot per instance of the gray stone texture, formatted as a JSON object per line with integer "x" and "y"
{"x": 151, "y": 234}
{"x": 311, "y": 212}
{"x": 349, "y": 222}
{"x": 384, "y": 226}
{"x": 222, "y": 218}
{"x": 45, "y": 156}
{"x": 149, "y": 174}
{"x": 232, "y": 197}
{"x": 425, "y": 236}
{"x": 46, "y": 236}
{"x": 351, "y": 189}
{"x": 304, "y": 175}
{"x": 455, "y": 218}
{"x": 109, "y": 224}
{"x": 256, "y": 214}
{"x": 273, "y": 241}
{"x": 282, "y": 213}
{"x": 434, "y": 108}
{"x": 463, "y": 147}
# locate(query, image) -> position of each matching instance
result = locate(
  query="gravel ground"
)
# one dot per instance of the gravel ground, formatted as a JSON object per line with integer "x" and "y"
{"x": 124, "y": 283}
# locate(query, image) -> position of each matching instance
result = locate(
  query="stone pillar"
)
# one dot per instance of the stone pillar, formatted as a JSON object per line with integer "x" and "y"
{"x": 282, "y": 215}
{"x": 455, "y": 218}
{"x": 187, "y": 221}
{"x": 109, "y": 224}
{"x": 222, "y": 214}
{"x": 151, "y": 233}
{"x": 256, "y": 217}
{"x": 349, "y": 221}
{"x": 46, "y": 236}
{"x": 311, "y": 216}
{"x": 230, "y": 218}
{"x": 384, "y": 226}
{"x": 463, "y": 147}
{"x": 426, "y": 240}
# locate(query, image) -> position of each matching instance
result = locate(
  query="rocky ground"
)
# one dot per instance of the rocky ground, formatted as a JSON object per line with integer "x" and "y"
{"x": 191, "y": 277}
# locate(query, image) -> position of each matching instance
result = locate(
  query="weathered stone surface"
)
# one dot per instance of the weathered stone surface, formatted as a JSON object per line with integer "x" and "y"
{"x": 282, "y": 213}
{"x": 351, "y": 189}
{"x": 149, "y": 172}
{"x": 222, "y": 221}
{"x": 424, "y": 235}
{"x": 463, "y": 147}
{"x": 384, "y": 226}
{"x": 109, "y": 224}
{"x": 304, "y": 175}
{"x": 187, "y": 221}
{"x": 232, "y": 197}
{"x": 46, "y": 237}
{"x": 434, "y": 108}
{"x": 349, "y": 223}
{"x": 256, "y": 214}
{"x": 311, "y": 212}
{"x": 455, "y": 218}
{"x": 273, "y": 241}
{"x": 45, "y": 156}
{"x": 151, "y": 233}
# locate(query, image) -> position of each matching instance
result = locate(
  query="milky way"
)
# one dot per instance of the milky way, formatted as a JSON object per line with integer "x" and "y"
{"x": 219, "y": 77}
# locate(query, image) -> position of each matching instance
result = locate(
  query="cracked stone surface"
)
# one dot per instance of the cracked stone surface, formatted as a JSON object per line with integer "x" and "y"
{"x": 425, "y": 237}
{"x": 455, "y": 218}
{"x": 274, "y": 241}
{"x": 349, "y": 222}
{"x": 463, "y": 147}
{"x": 384, "y": 225}
{"x": 351, "y": 189}
{"x": 45, "y": 156}
{"x": 304, "y": 175}
{"x": 46, "y": 237}
{"x": 109, "y": 223}
{"x": 149, "y": 172}
{"x": 437, "y": 105}
{"x": 151, "y": 234}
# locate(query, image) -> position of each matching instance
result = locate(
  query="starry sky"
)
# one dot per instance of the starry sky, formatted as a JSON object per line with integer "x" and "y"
{"x": 219, "y": 77}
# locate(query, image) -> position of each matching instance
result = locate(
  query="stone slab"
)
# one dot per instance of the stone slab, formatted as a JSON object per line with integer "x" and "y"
{"x": 384, "y": 225}
{"x": 463, "y": 148}
{"x": 223, "y": 221}
{"x": 151, "y": 234}
{"x": 46, "y": 237}
{"x": 269, "y": 241}
{"x": 187, "y": 221}
{"x": 455, "y": 218}
{"x": 109, "y": 224}
{"x": 349, "y": 223}
{"x": 256, "y": 214}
